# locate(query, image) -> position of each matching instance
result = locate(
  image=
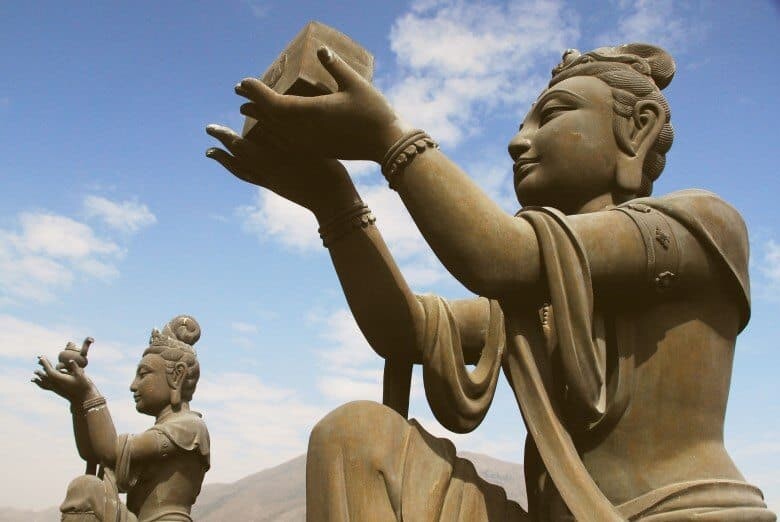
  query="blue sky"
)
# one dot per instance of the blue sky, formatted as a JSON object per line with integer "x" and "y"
{"x": 112, "y": 221}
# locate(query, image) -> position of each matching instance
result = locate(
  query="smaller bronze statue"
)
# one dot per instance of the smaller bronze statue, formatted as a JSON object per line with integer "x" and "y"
{"x": 161, "y": 469}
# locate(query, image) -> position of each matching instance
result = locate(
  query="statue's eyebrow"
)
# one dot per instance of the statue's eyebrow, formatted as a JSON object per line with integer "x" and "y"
{"x": 551, "y": 94}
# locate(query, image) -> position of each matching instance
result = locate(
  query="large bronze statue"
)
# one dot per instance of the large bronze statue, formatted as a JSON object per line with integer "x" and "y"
{"x": 613, "y": 314}
{"x": 161, "y": 469}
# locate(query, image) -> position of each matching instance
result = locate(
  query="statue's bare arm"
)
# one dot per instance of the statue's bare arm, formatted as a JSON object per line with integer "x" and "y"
{"x": 96, "y": 436}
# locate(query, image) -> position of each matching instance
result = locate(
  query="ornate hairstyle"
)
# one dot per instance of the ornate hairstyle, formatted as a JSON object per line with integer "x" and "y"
{"x": 174, "y": 344}
{"x": 635, "y": 72}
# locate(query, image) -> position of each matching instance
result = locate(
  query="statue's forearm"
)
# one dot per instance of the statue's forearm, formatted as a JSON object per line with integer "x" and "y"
{"x": 486, "y": 249}
{"x": 384, "y": 307}
{"x": 100, "y": 429}
{"x": 81, "y": 434}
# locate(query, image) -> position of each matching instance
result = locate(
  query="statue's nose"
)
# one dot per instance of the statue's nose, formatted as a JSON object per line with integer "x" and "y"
{"x": 518, "y": 146}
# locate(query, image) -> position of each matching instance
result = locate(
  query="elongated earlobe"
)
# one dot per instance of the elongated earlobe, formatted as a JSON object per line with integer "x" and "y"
{"x": 176, "y": 382}
{"x": 636, "y": 137}
{"x": 176, "y": 398}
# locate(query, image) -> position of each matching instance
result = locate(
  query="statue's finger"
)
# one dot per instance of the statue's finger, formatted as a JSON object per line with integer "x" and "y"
{"x": 257, "y": 91}
{"x": 75, "y": 369}
{"x": 230, "y": 163}
{"x": 85, "y": 345}
{"x": 50, "y": 371}
{"x": 225, "y": 135}
{"x": 344, "y": 75}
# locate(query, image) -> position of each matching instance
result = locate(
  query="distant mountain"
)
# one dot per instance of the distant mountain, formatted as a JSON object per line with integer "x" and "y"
{"x": 279, "y": 494}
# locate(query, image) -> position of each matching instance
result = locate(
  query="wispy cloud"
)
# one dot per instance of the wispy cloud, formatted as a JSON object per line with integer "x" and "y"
{"x": 352, "y": 370}
{"x": 671, "y": 25}
{"x": 459, "y": 60}
{"x": 43, "y": 254}
{"x": 125, "y": 216}
{"x": 770, "y": 262}
{"x": 259, "y": 8}
{"x": 273, "y": 217}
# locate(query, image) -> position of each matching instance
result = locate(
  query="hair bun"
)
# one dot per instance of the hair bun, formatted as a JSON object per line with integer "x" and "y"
{"x": 662, "y": 66}
{"x": 183, "y": 328}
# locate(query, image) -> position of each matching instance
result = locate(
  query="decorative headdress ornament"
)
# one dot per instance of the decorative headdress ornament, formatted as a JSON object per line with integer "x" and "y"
{"x": 180, "y": 333}
{"x": 648, "y": 60}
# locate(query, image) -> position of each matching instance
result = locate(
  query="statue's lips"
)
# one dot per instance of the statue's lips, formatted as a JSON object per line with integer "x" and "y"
{"x": 523, "y": 167}
{"x": 136, "y": 398}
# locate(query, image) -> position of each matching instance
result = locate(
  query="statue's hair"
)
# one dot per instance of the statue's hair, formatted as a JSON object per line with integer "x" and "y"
{"x": 635, "y": 72}
{"x": 174, "y": 344}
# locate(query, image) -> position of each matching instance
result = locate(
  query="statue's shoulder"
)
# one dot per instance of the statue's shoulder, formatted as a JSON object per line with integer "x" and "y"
{"x": 187, "y": 430}
{"x": 718, "y": 227}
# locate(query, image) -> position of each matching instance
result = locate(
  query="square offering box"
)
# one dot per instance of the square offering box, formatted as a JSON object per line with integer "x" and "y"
{"x": 298, "y": 71}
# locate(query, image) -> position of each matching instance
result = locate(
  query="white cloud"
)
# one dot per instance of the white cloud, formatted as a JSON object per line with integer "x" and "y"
{"x": 770, "y": 262}
{"x": 126, "y": 216}
{"x": 352, "y": 370}
{"x": 45, "y": 252}
{"x": 459, "y": 59}
{"x": 252, "y": 425}
{"x": 671, "y": 25}
{"x": 244, "y": 328}
{"x": 272, "y": 216}
{"x": 60, "y": 237}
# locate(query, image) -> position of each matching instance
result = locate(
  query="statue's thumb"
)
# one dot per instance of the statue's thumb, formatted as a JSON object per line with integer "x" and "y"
{"x": 338, "y": 68}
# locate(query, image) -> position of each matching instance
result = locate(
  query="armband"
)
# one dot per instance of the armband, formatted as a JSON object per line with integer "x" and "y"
{"x": 663, "y": 254}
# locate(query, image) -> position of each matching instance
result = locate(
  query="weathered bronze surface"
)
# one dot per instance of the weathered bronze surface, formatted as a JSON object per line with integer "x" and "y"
{"x": 613, "y": 314}
{"x": 161, "y": 469}
{"x": 298, "y": 71}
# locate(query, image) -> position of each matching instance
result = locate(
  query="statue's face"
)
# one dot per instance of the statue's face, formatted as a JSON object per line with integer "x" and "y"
{"x": 150, "y": 387}
{"x": 565, "y": 153}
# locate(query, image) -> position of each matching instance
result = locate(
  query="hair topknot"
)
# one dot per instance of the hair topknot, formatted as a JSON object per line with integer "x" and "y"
{"x": 635, "y": 72}
{"x": 183, "y": 328}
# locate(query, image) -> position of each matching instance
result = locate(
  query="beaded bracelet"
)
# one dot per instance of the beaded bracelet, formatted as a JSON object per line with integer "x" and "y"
{"x": 354, "y": 218}
{"x": 403, "y": 152}
{"x": 93, "y": 403}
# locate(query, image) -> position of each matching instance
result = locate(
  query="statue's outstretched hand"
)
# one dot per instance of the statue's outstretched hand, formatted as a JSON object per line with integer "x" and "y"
{"x": 72, "y": 384}
{"x": 313, "y": 182}
{"x": 356, "y": 122}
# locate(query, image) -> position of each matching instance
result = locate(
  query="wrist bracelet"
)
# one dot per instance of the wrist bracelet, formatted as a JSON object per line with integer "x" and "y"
{"x": 354, "y": 218}
{"x": 93, "y": 403}
{"x": 76, "y": 409}
{"x": 403, "y": 152}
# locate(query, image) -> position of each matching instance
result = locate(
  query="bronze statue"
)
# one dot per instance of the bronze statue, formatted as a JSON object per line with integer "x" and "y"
{"x": 161, "y": 469}
{"x": 613, "y": 314}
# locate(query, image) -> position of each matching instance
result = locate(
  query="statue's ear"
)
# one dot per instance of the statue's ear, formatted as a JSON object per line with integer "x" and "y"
{"x": 639, "y": 134}
{"x": 179, "y": 373}
{"x": 175, "y": 380}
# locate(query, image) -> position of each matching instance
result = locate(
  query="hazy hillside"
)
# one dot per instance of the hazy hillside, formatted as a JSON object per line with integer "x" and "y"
{"x": 279, "y": 494}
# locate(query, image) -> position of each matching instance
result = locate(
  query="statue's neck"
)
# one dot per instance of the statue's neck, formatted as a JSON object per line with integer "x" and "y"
{"x": 168, "y": 411}
{"x": 602, "y": 202}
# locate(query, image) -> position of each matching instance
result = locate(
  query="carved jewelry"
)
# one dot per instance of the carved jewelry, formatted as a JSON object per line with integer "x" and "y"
{"x": 93, "y": 403}
{"x": 403, "y": 152}
{"x": 356, "y": 217}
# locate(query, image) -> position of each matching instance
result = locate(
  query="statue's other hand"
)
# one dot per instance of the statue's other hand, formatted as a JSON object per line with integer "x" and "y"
{"x": 72, "y": 384}
{"x": 306, "y": 180}
{"x": 356, "y": 122}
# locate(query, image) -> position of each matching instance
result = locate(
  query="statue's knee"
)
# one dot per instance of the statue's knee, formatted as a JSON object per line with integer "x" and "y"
{"x": 356, "y": 427}
{"x": 86, "y": 494}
